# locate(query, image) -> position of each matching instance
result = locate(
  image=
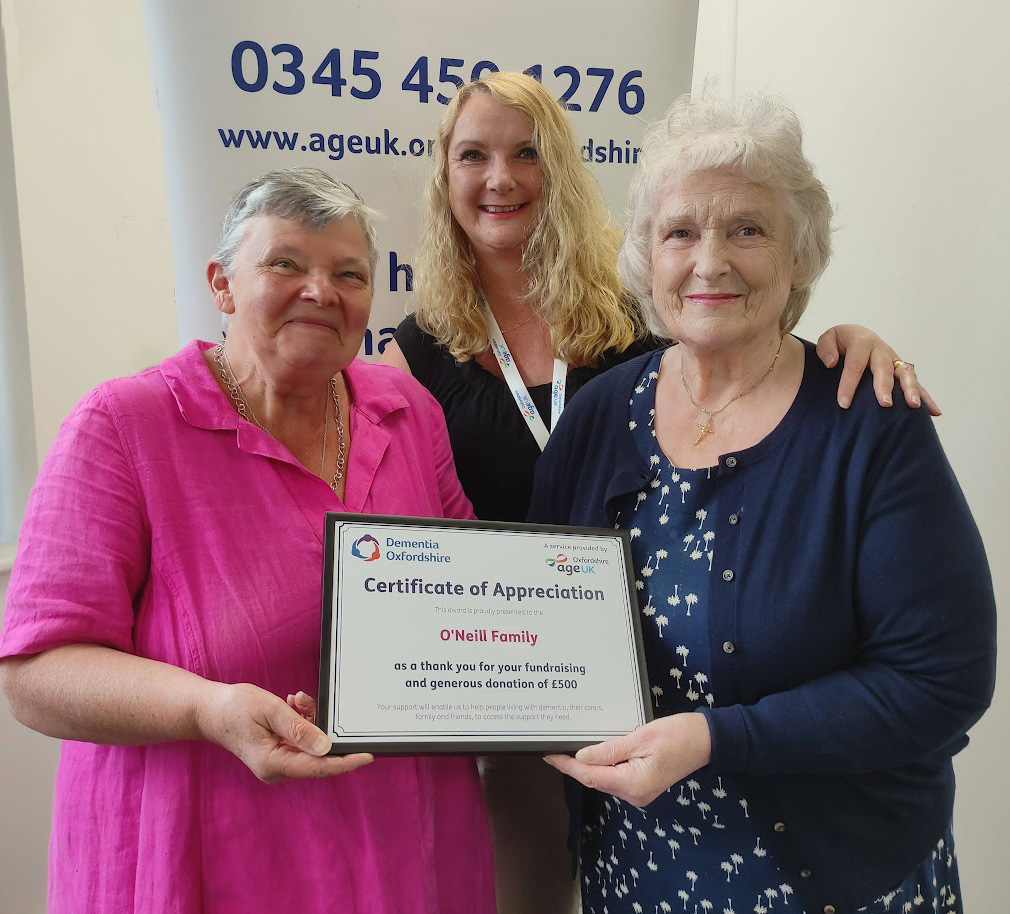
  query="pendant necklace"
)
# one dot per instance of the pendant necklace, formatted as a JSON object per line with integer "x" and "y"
{"x": 706, "y": 427}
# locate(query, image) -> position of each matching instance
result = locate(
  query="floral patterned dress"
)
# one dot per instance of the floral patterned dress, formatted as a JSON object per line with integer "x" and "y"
{"x": 696, "y": 849}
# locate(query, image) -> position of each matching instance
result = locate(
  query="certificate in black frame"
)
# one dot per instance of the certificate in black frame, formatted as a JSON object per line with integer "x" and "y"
{"x": 499, "y": 739}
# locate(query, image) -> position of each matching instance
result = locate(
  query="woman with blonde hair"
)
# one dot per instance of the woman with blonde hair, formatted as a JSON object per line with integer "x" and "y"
{"x": 518, "y": 305}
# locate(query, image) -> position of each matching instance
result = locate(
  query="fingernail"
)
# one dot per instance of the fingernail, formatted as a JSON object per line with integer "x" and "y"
{"x": 322, "y": 745}
{"x": 887, "y": 400}
{"x": 301, "y": 695}
{"x": 915, "y": 399}
{"x": 844, "y": 402}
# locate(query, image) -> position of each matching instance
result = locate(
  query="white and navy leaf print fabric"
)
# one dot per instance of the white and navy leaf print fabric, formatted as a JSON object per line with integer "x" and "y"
{"x": 697, "y": 849}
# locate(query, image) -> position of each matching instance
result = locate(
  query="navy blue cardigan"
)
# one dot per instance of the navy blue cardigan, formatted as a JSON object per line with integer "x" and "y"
{"x": 852, "y": 620}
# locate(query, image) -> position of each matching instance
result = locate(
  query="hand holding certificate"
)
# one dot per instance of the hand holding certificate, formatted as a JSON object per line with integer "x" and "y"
{"x": 450, "y": 636}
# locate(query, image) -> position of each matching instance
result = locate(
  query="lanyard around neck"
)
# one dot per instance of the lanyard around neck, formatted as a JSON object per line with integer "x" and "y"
{"x": 519, "y": 391}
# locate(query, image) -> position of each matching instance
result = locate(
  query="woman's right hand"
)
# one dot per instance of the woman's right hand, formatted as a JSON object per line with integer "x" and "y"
{"x": 273, "y": 740}
{"x": 639, "y": 766}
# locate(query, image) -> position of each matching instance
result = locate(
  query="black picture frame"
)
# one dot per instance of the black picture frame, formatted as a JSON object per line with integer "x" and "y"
{"x": 442, "y": 741}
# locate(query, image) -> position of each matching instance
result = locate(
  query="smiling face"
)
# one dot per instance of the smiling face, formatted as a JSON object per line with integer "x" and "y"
{"x": 494, "y": 176}
{"x": 722, "y": 265}
{"x": 298, "y": 298}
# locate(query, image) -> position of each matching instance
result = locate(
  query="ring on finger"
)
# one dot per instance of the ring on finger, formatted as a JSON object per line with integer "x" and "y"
{"x": 901, "y": 363}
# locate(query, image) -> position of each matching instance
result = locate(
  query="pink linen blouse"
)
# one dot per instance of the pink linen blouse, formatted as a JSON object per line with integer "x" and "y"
{"x": 165, "y": 526}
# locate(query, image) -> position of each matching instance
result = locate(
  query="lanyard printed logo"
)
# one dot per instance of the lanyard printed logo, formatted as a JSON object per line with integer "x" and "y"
{"x": 557, "y": 400}
{"x": 518, "y": 388}
{"x": 502, "y": 353}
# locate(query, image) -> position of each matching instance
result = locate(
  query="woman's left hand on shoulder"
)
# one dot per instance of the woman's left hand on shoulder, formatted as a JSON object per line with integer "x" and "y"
{"x": 638, "y": 767}
{"x": 861, "y": 347}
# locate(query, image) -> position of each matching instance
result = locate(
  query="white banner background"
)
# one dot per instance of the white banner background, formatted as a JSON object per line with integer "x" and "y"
{"x": 232, "y": 74}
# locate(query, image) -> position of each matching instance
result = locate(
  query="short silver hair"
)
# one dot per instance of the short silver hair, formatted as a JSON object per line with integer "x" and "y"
{"x": 759, "y": 138}
{"x": 308, "y": 196}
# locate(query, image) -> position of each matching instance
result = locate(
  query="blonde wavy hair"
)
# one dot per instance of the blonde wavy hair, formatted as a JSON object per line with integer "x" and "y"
{"x": 570, "y": 258}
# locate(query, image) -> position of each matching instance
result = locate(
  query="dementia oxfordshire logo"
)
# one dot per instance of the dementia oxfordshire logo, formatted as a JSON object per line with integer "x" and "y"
{"x": 366, "y": 548}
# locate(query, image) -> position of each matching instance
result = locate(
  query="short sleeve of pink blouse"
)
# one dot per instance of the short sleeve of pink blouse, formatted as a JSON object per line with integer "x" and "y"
{"x": 85, "y": 543}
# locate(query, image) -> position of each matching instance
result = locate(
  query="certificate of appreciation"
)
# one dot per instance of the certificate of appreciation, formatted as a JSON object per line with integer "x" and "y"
{"x": 470, "y": 636}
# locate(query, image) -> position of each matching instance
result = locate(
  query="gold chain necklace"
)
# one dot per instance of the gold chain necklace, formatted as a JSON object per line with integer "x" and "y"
{"x": 706, "y": 427}
{"x": 245, "y": 410}
{"x": 520, "y": 324}
{"x": 483, "y": 301}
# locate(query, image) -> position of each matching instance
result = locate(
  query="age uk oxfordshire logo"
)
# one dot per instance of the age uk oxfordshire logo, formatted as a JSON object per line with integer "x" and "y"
{"x": 576, "y": 565}
{"x": 366, "y": 548}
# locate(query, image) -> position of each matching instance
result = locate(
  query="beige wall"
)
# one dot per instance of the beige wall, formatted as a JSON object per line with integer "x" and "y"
{"x": 94, "y": 229}
{"x": 905, "y": 110}
{"x": 894, "y": 97}
{"x": 27, "y": 768}
{"x": 98, "y": 282}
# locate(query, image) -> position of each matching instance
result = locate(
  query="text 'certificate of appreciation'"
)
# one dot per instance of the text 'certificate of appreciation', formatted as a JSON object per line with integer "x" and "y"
{"x": 469, "y": 636}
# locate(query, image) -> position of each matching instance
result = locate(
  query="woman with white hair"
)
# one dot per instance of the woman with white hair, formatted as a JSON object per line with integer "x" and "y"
{"x": 518, "y": 305}
{"x": 816, "y": 605}
{"x": 167, "y": 588}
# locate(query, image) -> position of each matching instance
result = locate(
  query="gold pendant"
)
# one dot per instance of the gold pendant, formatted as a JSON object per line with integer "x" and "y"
{"x": 706, "y": 429}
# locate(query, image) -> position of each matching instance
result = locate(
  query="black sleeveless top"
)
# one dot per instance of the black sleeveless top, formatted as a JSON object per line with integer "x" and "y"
{"x": 494, "y": 450}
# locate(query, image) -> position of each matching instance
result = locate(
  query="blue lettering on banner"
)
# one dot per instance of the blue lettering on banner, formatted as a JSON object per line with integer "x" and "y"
{"x": 395, "y": 267}
{"x": 337, "y": 145}
{"x": 258, "y": 139}
{"x": 371, "y": 347}
{"x": 252, "y": 68}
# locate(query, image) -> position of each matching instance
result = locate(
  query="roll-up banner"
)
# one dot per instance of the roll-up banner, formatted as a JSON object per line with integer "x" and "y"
{"x": 357, "y": 89}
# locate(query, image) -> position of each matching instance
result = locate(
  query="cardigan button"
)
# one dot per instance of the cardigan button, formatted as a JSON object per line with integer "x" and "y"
{"x": 779, "y": 826}
{"x": 829, "y": 909}
{"x": 727, "y": 575}
{"x": 728, "y": 647}
{"x": 805, "y": 873}
{"x": 734, "y": 519}
{"x": 731, "y": 462}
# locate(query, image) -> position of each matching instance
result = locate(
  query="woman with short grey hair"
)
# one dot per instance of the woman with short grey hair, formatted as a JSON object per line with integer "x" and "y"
{"x": 817, "y": 611}
{"x": 166, "y": 596}
{"x": 309, "y": 196}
